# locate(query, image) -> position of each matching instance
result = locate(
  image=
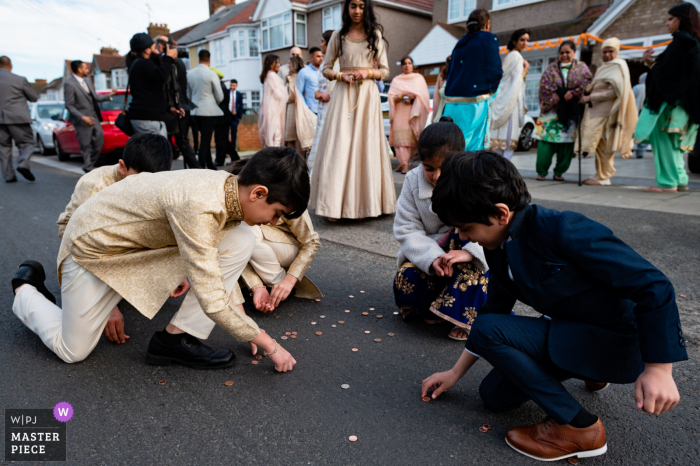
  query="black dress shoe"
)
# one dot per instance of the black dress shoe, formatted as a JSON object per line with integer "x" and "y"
{"x": 11, "y": 180}
{"x": 32, "y": 273}
{"x": 25, "y": 172}
{"x": 188, "y": 352}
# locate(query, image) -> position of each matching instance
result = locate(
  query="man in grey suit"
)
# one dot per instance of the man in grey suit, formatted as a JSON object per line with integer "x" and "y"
{"x": 15, "y": 121}
{"x": 81, "y": 102}
{"x": 205, "y": 91}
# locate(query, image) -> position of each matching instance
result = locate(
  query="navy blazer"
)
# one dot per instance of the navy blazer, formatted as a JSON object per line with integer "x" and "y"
{"x": 238, "y": 111}
{"x": 611, "y": 310}
{"x": 475, "y": 68}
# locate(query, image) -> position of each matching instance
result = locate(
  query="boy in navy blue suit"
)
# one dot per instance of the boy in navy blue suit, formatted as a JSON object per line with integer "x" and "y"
{"x": 608, "y": 315}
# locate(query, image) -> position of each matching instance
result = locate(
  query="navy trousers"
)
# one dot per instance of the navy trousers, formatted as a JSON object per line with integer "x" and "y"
{"x": 516, "y": 346}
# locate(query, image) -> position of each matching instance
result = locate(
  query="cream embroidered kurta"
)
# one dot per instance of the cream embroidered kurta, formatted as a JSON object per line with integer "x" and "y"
{"x": 298, "y": 232}
{"x": 144, "y": 235}
{"x": 88, "y": 185}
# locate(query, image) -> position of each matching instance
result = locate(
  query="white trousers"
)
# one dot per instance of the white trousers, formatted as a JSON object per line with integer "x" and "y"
{"x": 73, "y": 332}
{"x": 270, "y": 260}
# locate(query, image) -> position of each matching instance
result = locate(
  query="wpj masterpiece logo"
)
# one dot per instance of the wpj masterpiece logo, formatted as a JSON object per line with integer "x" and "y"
{"x": 37, "y": 434}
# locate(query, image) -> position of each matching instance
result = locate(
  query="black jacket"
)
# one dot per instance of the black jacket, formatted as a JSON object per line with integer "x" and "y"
{"x": 146, "y": 79}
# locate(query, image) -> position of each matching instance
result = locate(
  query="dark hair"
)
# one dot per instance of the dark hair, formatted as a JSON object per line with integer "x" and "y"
{"x": 570, "y": 43}
{"x": 161, "y": 42}
{"x": 313, "y": 50}
{"x": 267, "y": 64}
{"x": 440, "y": 140}
{"x": 295, "y": 64}
{"x": 232, "y": 81}
{"x": 688, "y": 15}
{"x": 148, "y": 152}
{"x": 75, "y": 65}
{"x": 472, "y": 183}
{"x": 515, "y": 37}
{"x": 327, "y": 35}
{"x": 406, "y": 58}
{"x": 443, "y": 73}
{"x": 477, "y": 20}
{"x": 204, "y": 55}
{"x": 284, "y": 173}
{"x": 370, "y": 24}
{"x": 235, "y": 167}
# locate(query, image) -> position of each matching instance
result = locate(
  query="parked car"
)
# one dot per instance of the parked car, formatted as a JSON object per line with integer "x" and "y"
{"x": 694, "y": 161}
{"x": 66, "y": 141}
{"x": 526, "y": 141}
{"x": 46, "y": 117}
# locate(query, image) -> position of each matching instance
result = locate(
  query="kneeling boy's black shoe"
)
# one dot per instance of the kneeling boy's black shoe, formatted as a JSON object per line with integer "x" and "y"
{"x": 32, "y": 273}
{"x": 189, "y": 351}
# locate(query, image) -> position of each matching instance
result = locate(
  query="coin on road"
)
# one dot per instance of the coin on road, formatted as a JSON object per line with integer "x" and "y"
{"x": 396, "y": 313}
{"x": 391, "y": 334}
{"x": 351, "y": 296}
{"x": 378, "y": 340}
{"x": 294, "y": 333}
{"x": 162, "y": 382}
{"x": 488, "y": 427}
{"x": 361, "y": 291}
{"x": 253, "y": 362}
{"x": 290, "y": 315}
{"x": 483, "y": 429}
{"x": 345, "y": 386}
{"x": 258, "y": 356}
{"x": 318, "y": 300}
{"x": 228, "y": 383}
{"x": 347, "y": 310}
{"x": 366, "y": 331}
{"x": 319, "y": 333}
{"x": 371, "y": 309}
{"x": 379, "y": 316}
{"x": 287, "y": 333}
{"x": 283, "y": 337}
{"x": 353, "y": 438}
{"x": 293, "y": 336}
{"x": 341, "y": 321}
{"x": 426, "y": 398}
{"x": 333, "y": 325}
{"x": 572, "y": 460}
{"x": 365, "y": 313}
{"x": 322, "y": 317}
{"x": 355, "y": 350}
{"x": 313, "y": 323}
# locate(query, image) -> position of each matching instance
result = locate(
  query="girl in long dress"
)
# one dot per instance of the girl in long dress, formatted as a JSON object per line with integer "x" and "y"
{"x": 508, "y": 108}
{"x": 409, "y": 106}
{"x": 300, "y": 120}
{"x": 271, "y": 117}
{"x": 352, "y": 173}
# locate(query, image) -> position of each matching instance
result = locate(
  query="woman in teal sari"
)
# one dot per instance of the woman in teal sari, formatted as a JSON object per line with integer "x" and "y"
{"x": 669, "y": 120}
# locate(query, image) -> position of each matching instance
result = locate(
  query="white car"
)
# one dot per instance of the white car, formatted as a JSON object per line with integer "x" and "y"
{"x": 46, "y": 116}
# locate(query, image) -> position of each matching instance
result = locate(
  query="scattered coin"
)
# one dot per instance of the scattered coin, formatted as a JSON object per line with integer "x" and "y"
{"x": 318, "y": 300}
{"x": 371, "y": 309}
{"x": 258, "y": 356}
{"x": 162, "y": 382}
{"x": 683, "y": 296}
{"x": 379, "y": 316}
{"x": 341, "y": 321}
{"x": 366, "y": 331}
{"x": 345, "y": 386}
{"x": 283, "y": 337}
{"x": 313, "y": 323}
{"x": 351, "y": 296}
{"x": 355, "y": 350}
{"x": 290, "y": 315}
{"x": 353, "y": 438}
{"x": 347, "y": 311}
{"x": 572, "y": 460}
{"x": 396, "y": 313}
{"x": 293, "y": 336}
{"x": 483, "y": 429}
{"x": 488, "y": 427}
{"x": 391, "y": 334}
{"x": 365, "y": 313}
{"x": 426, "y": 398}
{"x": 333, "y": 325}
{"x": 294, "y": 333}
{"x": 377, "y": 340}
{"x": 322, "y": 317}
{"x": 228, "y": 383}
{"x": 361, "y": 291}
{"x": 287, "y": 333}
{"x": 253, "y": 362}
{"x": 319, "y": 333}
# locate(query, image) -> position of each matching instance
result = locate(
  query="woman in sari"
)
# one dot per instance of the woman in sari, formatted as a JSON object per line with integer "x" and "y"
{"x": 508, "y": 108}
{"x": 669, "y": 120}
{"x": 323, "y": 95}
{"x": 271, "y": 127}
{"x": 300, "y": 120}
{"x": 608, "y": 124}
{"x": 561, "y": 87}
{"x": 352, "y": 173}
{"x": 439, "y": 92}
{"x": 472, "y": 81}
{"x": 409, "y": 105}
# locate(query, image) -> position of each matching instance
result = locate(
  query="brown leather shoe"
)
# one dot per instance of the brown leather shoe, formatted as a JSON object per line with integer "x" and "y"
{"x": 549, "y": 441}
{"x": 596, "y": 386}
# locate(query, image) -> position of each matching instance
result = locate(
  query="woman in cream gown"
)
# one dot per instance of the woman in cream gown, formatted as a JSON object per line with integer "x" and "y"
{"x": 273, "y": 107}
{"x": 352, "y": 175}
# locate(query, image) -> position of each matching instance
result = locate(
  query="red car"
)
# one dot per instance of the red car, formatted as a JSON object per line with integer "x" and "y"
{"x": 66, "y": 141}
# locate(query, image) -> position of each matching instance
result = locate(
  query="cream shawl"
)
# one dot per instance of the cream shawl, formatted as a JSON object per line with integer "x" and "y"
{"x": 509, "y": 90}
{"x": 413, "y": 83}
{"x": 305, "y": 120}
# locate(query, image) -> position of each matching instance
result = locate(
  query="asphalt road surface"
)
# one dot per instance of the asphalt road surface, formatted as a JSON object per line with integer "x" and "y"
{"x": 123, "y": 416}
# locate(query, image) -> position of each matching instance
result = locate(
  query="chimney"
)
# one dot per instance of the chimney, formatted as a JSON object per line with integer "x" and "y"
{"x": 108, "y": 51}
{"x": 155, "y": 30}
{"x": 41, "y": 82}
{"x": 216, "y": 5}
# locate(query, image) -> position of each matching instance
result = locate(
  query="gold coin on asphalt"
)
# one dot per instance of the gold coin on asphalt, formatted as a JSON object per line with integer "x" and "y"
{"x": 258, "y": 356}
{"x": 351, "y": 296}
{"x": 361, "y": 291}
{"x": 483, "y": 429}
{"x": 341, "y": 321}
{"x": 293, "y": 336}
{"x": 313, "y": 323}
{"x": 290, "y": 315}
{"x": 318, "y": 300}
{"x": 572, "y": 460}
{"x": 353, "y": 438}
{"x": 355, "y": 350}
{"x": 371, "y": 309}
{"x": 228, "y": 383}
{"x": 366, "y": 331}
{"x": 287, "y": 333}
{"x": 378, "y": 340}
{"x": 379, "y": 316}
{"x": 283, "y": 337}
{"x": 396, "y": 313}
{"x": 391, "y": 334}
{"x": 426, "y": 398}
{"x": 347, "y": 310}
{"x": 319, "y": 333}
{"x": 253, "y": 362}
{"x": 365, "y": 313}
{"x": 488, "y": 427}
{"x": 162, "y": 382}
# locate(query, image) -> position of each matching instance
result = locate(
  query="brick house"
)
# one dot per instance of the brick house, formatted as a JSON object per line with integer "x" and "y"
{"x": 52, "y": 91}
{"x": 108, "y": 70}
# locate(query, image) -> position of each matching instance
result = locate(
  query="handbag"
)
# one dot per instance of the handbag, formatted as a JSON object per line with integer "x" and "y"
{"x": 123, "y": 122}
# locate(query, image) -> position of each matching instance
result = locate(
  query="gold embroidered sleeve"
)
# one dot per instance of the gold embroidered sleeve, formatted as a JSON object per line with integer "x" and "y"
{"x": 237, "y": 295}
{"x": 331, "y": 56}
{"x": 250, "y": 278}
{"x": 197, "y": 236}
{"x": 382, "y": 60}
{"x": 309, "y": 242}
{"x": 84, "y": 190}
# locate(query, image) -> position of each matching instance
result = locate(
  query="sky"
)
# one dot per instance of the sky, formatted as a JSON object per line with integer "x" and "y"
{"x": 38, "y": 35}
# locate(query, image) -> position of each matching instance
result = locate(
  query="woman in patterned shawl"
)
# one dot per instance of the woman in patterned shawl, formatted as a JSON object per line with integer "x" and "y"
{"x": 561, "y": 87}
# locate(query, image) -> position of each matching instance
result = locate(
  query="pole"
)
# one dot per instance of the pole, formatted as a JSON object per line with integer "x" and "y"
{"x": 578, "y": 114}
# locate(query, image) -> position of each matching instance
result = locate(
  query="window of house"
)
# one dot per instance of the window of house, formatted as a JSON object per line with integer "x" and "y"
{"x": 252, "y": 100}
{"x": 242, "y": 42}
{"x": 459, "y": 10}
{"x": 119, "y": 78}
{"x": 254, "y": 49}
{"x": 300, "y": 29}
{"x": 532, "y": 84}
{"x": 218, "y": 57}
{"x": 245, "y": 44}
{"x": 277, "y": 32}
{"x": 331, "y": 18}
{"x": 503, "y": 4}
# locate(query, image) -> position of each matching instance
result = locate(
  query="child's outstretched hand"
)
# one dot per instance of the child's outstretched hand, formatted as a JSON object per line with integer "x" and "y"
{"x": 281, "y": 291}
{"x": 655, "y": 391}
{"x": 439, "y": 383}
{"x": 261, "y": 299}
{"x": 448, "y": 260}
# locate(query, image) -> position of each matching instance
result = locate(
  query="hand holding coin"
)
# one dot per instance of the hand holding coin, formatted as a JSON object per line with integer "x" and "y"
{"x": 261, "y": 299}
{"x": 439, "y": 382}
